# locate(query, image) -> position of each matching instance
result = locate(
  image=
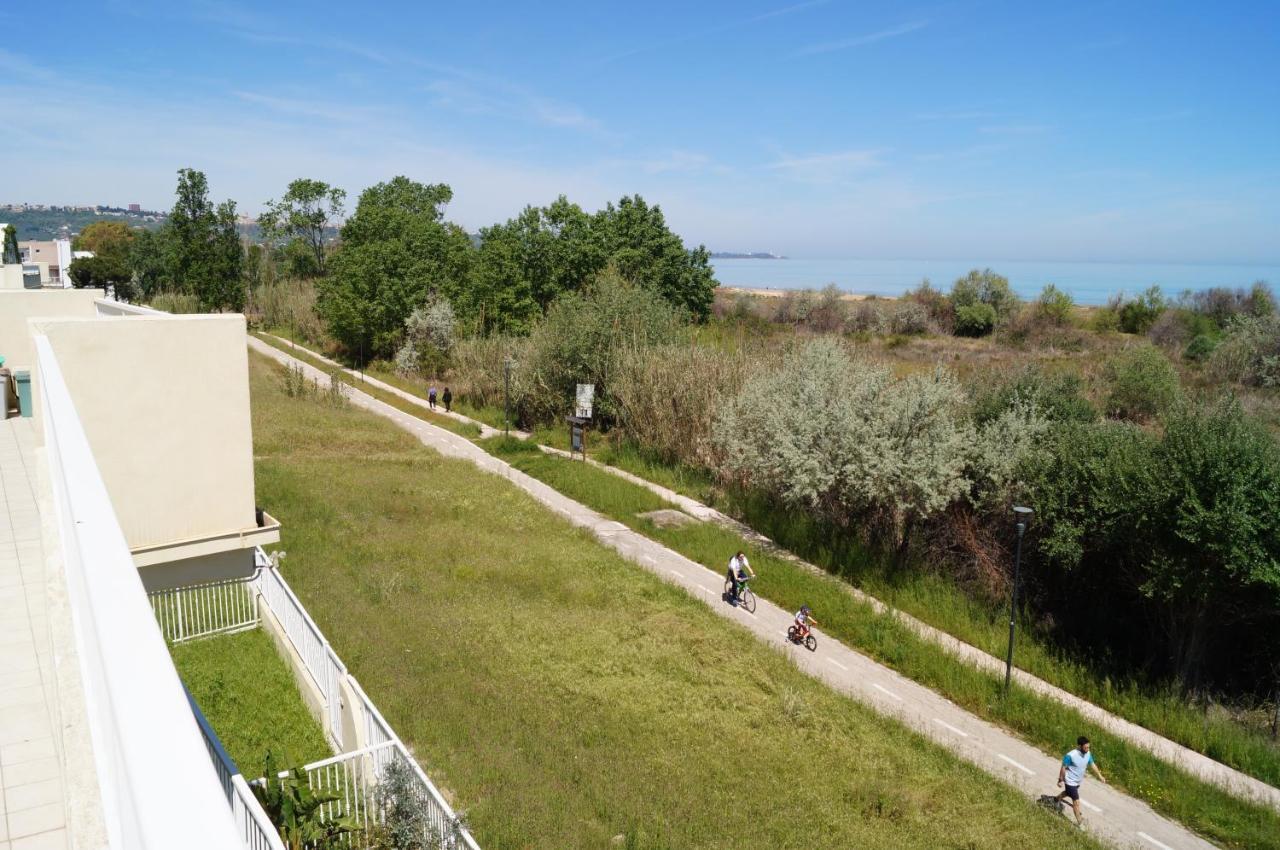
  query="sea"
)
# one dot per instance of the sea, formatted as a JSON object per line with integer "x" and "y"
{"x": 1087, "y": 283}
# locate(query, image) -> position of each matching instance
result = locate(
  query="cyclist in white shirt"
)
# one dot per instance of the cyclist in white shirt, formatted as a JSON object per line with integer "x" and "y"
{"x": 1071, "y": 774}
{"x": 739, "y": 571}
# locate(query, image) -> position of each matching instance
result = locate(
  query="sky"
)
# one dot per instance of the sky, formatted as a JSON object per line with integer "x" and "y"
{"x": 1145, "y": 132}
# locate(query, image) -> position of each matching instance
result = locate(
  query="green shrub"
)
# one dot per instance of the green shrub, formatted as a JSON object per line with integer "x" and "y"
{"x": 1054, "y": 306}
{"x": 1249, "y": 352}
{"x": 985, "y": 287}
{"x": 1138, "y": 315}
{"x": 1200, "y": 347}
{"x": 975, "y": 320}
{"x": 1105, "y": 320}
{"x": 581, "y": 341}
{"x": 935, "y": 302}
{"x": 1142, "y": 384}
{"x": 1058, "y": 396}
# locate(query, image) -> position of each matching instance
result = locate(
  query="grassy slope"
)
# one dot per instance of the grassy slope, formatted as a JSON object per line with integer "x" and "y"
{"x": 249, "y": 697}
{"x": 1041, "y": 721}
{"x": 927, "y": 596}
{"x": 562, "y": 695}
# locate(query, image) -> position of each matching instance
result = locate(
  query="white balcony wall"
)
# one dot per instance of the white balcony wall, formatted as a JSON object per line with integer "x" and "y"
{"x": 159, "y": 789}
{"x": 164, "y": 402}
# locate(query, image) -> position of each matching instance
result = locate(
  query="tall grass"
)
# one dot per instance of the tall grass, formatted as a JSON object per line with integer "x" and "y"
{"x": 248, "y": 694}
{"x": 1042, "y": 721}
{"x": 566, "y": 699}
{"x": 175, "y": 302}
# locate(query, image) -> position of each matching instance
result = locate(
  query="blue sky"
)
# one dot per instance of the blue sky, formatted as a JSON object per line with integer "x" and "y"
{"x": 989, "y": 130}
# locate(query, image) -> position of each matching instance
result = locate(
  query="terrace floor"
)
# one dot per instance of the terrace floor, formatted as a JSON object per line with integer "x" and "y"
{"x": 32, "y": 802}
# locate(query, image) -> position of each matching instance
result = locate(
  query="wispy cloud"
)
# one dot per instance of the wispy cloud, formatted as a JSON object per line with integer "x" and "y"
{"x": 1014, "y": 129}
{"x": 506, "y": 100}
{"x": 829, "y": 167}
{"x": 862, "y": 40}
{"x": 716, "y": 30}
{"x": 957, "y": 115}
{"x": 304, "y": 108}
{"x": 785, "y": 10}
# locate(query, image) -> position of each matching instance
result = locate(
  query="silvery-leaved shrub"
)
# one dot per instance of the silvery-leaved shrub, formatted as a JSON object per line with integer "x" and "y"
{"x": 838, "y": 434}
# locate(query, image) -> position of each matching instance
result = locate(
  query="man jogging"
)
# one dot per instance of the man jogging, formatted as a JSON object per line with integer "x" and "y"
{"x": 1071, "y": 774}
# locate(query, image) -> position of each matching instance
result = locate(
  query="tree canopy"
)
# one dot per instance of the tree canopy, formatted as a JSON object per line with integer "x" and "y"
{"x": 302, "y": 214}
{"x": 397, "y": 251}
{"x": 109, "y": 268}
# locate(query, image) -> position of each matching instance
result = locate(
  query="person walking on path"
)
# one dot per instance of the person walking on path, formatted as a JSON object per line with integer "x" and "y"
{"x": 448, "y": 400}
{"x": 431, "y": 397}
{"x": 1071, "y": 774}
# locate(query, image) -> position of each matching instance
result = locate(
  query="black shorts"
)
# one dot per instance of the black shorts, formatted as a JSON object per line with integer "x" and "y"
{"x": 1072, "y": 791}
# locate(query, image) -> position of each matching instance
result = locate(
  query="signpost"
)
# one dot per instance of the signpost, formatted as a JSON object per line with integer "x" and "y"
{"x": 583, "y": 403}
{"x": 585, "y": 397}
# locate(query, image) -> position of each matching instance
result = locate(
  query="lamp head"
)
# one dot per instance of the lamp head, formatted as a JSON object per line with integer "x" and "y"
{"x": 1022, "y": 514}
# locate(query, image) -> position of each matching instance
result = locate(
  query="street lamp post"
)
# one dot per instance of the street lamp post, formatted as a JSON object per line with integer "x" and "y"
{"x": 1023, "y": 516}
{"x": 506, "y": 397}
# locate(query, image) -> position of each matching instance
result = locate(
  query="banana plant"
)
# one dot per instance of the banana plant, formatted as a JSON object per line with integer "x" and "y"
{"x": 297, "y": 810}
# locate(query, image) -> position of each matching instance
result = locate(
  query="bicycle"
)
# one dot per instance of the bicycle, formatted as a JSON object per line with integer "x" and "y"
{"x": 746, "y": 598}
{"x": 809, "y": 642}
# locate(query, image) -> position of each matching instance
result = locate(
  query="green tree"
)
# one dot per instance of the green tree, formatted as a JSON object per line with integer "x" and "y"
{"x": 397, "y": 251}
{"x": 307, "y": 208}
{"x": 204, "y": 256}
{"x": 1221, "y": 485}
{"x": 583, "y": 339}
{"x": 11, "y": 253}
{"x": 109, "y": 268}
{"x": 526, "y": 263}
{"x": 147, "y": 261}
{"x": 638, "y": 242}
{"x": 985, "y": 287}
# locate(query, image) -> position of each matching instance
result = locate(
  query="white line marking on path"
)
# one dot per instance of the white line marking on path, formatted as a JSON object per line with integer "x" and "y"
{"x": 1028, "y": 771}
{"x": 1091, "y": 806}
{"x": 1159, "y": 844}
{"x": 960, "y": 732}
{"x": 837, "y": 663}
{"x": 652, "y": 560}
{"x": 671, "y": 570}
{"x": 886, "y": 690}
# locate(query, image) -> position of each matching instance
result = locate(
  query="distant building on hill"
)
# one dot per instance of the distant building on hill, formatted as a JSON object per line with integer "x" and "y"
{"x": 135, "y": 207}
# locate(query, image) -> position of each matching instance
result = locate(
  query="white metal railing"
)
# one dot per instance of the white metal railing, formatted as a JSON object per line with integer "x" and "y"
{"x": 254, "y": 825}
{"x": 379, "y": 737}
{"x": 211, "y": 608}
{"x": 321, "y": 662}
{"x": 157, "y": 787}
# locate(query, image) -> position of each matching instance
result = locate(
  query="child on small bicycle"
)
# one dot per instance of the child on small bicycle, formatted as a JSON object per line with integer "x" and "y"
{"x": 804, "y": 619}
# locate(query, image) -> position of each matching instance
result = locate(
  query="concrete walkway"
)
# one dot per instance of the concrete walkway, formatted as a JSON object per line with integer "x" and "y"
{"x": 32, "y": 800}
{"x": 1223, "y": 776}
{"x": 1114, "y": 817}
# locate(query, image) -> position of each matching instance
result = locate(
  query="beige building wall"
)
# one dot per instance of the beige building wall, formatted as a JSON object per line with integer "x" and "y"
{"x": 17, "y": 306}
{"x": 165, "y": 404}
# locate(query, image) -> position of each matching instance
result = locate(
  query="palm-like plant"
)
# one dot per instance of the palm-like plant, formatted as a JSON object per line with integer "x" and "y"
{"x": 297, "y": 810}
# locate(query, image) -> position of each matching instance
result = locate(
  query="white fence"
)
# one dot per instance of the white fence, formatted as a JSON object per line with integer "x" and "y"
{"x": 154, "y": 777}
{"x": 255, "y": 828}
{"x": 321, "y": 662}
{"x": 216, "y": 607}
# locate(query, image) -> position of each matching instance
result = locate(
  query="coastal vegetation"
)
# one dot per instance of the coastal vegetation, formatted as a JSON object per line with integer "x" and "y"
{"x": 885, "y": 440}
{"x": 535, "y": 672}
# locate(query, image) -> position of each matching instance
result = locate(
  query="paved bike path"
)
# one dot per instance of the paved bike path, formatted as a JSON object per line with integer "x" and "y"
{"x": 1197, "y": 764}
{"x": 1113, "y": 817}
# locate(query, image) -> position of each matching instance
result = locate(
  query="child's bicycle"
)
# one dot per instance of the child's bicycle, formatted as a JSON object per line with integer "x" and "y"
{"x": 809, "y": 642}
{"x": 746, "y": 598}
